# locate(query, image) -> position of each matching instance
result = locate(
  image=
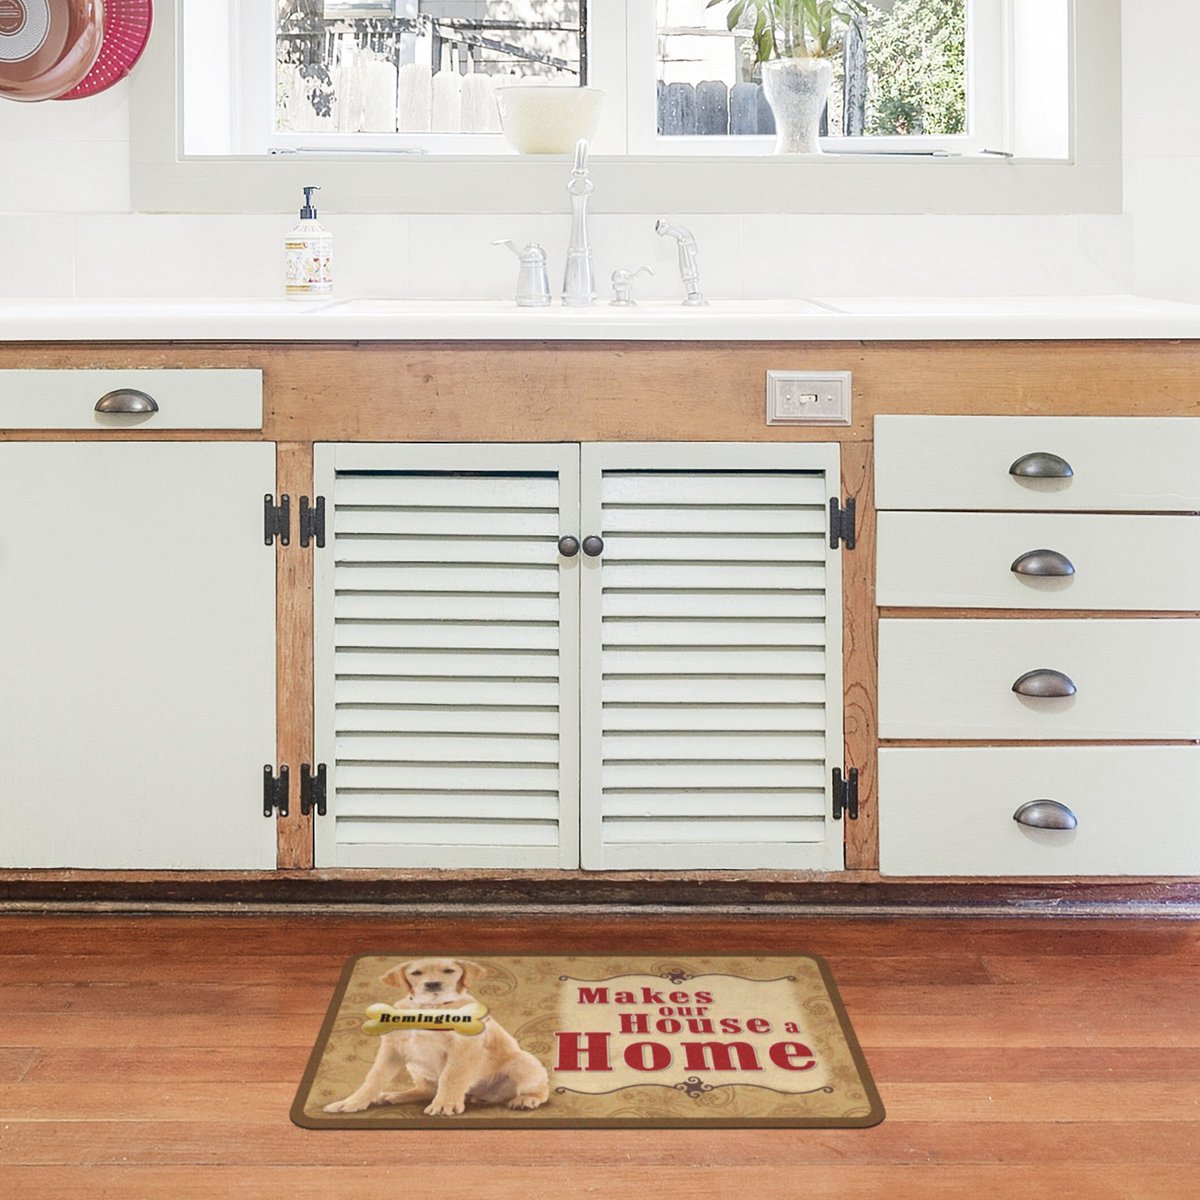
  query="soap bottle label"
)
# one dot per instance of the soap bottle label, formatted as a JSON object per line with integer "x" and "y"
{"x": 309, "y": 267}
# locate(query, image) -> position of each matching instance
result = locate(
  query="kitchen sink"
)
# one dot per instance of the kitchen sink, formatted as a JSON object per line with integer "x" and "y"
{"x": 659, "y": 310}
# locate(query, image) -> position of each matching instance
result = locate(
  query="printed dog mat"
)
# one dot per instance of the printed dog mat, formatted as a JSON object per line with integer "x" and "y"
{"x": 483, "y": 1042}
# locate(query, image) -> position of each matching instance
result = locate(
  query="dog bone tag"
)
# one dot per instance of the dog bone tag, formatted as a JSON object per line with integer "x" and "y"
{"x": 385, "y": 1019}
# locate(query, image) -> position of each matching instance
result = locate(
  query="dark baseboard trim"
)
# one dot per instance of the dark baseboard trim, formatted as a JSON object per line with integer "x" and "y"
{"x": 728, "y": 892}
{"x": 498, "y": 913}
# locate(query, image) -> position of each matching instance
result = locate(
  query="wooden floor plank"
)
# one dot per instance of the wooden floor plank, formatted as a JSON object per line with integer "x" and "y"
{"x": 247, "y": 1100}
{"x": 1006, "y": 1064}
{"x": 1093, "y": 969}
{"x": 266, "y": 1143}
{"x": 212, "y": 966}
{"x": 16, "y": 1062}
{"x": 913, "y": 1182}
{"x": 145, "y": 1057}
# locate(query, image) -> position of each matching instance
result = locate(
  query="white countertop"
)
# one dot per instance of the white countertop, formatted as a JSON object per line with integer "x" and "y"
{"x": 822, "y": 319}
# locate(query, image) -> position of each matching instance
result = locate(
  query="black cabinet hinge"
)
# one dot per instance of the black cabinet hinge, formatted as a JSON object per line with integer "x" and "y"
{"x": 275, "y": 791}
{"x": 312, "y": 521}
{"x": 841, "y": 523}
{"x": 312, "y": 790}
{"x": 277, "y": 521}
{"x": 845, "y": 795}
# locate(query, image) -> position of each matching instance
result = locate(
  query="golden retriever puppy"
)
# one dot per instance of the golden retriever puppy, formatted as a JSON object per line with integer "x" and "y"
{"x": 447, "y": 1067}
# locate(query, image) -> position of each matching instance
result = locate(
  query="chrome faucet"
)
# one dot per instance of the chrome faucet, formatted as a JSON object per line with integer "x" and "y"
{"x": 689, "y": 265}
{"x": 579, "y": 284}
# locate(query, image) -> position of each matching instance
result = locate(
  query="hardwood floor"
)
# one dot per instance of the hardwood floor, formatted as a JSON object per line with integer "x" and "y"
{"x": 158, "y": 1057}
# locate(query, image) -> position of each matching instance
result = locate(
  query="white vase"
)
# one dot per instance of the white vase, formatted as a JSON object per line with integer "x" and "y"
{"x": 796, "y": 89}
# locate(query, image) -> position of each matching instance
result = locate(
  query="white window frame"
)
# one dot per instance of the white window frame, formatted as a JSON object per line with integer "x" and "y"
{"x": 167, "y": 178}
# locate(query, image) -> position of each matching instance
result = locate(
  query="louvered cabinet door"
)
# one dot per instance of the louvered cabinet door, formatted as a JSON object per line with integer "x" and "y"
{"x": 711, "y": 657}
{"x": 447, "y": 656}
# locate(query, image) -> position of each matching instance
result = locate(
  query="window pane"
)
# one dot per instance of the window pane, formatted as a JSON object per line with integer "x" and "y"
{"x": 416, "y": 66}
{"x": 910, "y": 77}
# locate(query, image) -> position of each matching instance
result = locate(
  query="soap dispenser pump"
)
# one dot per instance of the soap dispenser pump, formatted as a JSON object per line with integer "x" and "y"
{"x": 309, "y": 254}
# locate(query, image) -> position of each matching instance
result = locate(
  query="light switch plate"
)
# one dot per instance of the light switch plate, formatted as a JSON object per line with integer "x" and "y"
{"x": 808, "y": 397}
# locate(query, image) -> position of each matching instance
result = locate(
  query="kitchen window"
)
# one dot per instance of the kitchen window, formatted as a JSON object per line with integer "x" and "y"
{"x": 417, "y": 76}
{"x": 955, "y": 106}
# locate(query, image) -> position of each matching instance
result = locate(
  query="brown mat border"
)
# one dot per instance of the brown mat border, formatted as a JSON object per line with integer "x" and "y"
{"x": 352, "y": 1121}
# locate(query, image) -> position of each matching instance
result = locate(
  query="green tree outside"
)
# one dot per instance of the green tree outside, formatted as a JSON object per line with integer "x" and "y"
{"x": 916, "y": 62}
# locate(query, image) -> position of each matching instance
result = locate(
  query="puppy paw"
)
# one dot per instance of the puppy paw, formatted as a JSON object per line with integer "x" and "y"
{"x": 349, "y": 1105}
{"x": 444, "y": 1108}
{"x": 526, "y": 1102}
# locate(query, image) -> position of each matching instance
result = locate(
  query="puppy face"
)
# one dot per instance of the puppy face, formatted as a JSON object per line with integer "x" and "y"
{"x": 434, "y": 981}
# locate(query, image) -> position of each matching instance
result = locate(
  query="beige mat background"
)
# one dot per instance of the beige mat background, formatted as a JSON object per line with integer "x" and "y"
{"x": 535, "y": 996}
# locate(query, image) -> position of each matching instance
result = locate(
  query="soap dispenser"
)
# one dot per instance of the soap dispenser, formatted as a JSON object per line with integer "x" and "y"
{"x": 309, "y": 254}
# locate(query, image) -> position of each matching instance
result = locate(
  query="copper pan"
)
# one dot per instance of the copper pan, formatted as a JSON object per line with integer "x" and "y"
{"x": 47, "y": 46}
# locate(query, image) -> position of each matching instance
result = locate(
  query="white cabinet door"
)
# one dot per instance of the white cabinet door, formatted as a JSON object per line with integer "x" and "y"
{"x": 711, "y": 657}
{"x": 137, "y": 655}
{"x": 446, "y": 647}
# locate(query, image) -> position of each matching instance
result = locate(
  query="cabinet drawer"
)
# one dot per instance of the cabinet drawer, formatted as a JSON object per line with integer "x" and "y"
{"x": 214, "y": 398}
{"x": 1117, "y": 464}
{"x": 954, "y": 679}
{"x": 950, "y": 811}
{"x": 965, "y": 560}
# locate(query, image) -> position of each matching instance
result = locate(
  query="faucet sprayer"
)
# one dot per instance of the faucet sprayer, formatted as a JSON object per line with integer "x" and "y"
{"x": 689, "y": 265}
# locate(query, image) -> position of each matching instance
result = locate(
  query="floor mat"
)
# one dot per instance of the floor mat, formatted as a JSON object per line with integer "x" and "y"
{"x": 577, "y": 1041}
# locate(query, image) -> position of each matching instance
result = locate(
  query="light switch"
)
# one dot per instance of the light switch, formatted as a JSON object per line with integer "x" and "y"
{"x": 808, "y": 398}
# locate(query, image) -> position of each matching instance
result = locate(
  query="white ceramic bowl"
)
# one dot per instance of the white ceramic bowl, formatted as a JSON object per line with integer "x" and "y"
{"x": 548, "y": 119}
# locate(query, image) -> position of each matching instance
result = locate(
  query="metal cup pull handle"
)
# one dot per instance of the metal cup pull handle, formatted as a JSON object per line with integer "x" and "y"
{"x": 568, "y": 546}
{"x": 1045, "y": 683}
{"x": 1046, "y": 814}
{"x": 127, "y": 401}
{"x": 1041, "y": 465}
{"x": 1043, "y": 562}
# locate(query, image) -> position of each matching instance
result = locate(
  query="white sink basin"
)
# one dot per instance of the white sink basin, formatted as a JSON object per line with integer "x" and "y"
{"x": 657, "y": 310}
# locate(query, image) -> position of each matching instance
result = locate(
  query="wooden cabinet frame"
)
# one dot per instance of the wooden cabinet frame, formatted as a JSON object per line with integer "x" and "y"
{"x": 596, "y": 391}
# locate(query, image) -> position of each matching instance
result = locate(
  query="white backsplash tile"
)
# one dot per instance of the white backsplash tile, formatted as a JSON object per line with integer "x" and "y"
{"x": 39, "y": 257}
{"x": 133, "y": 254}
{"x": 1161, "y": 193}
{"x": 788, "y": 255}
{"x": 370, "y": 254}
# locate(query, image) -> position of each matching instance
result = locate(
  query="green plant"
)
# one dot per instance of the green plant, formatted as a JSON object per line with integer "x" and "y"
{"x": 793, "y": 28}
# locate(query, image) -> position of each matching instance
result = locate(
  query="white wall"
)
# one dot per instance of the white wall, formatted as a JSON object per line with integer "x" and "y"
{"x": 1162, "y": 146}
{"x": 68, "y": 229}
